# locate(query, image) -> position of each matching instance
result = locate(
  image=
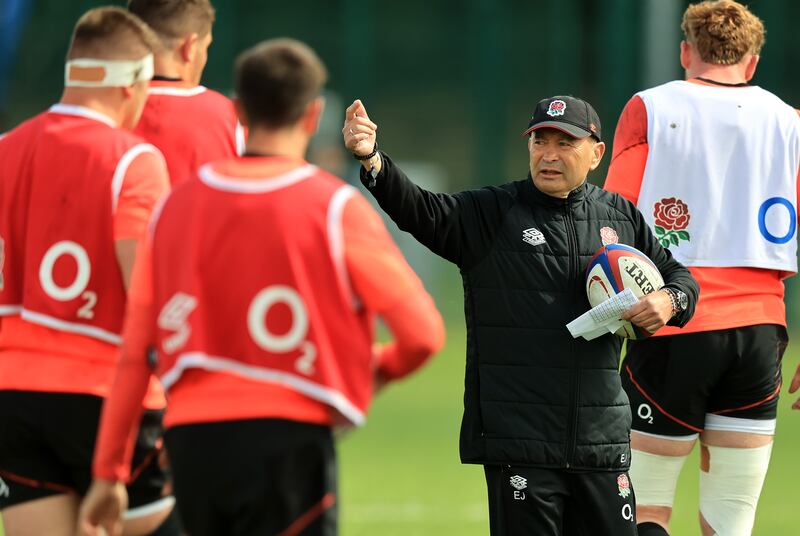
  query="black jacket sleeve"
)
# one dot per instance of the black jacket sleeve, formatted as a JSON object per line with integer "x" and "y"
{"x": 459, "y": 227}
{"x": 675, "y": 274}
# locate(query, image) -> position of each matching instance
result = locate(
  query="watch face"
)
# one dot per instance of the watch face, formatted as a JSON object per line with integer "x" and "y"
{"x": 683, "y": 300}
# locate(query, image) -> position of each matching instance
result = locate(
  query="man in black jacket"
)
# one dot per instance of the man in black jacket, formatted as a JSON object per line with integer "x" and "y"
{"x": 543, "y": 412}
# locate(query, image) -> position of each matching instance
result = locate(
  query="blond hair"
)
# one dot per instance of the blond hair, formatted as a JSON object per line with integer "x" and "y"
{"x": 723, "y": 31}
{"x": 111, "y": 33}
{"x": 174, "y": 19}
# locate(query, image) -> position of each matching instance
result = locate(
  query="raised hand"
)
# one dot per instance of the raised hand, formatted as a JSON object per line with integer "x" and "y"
{"x": 360, "y": 134}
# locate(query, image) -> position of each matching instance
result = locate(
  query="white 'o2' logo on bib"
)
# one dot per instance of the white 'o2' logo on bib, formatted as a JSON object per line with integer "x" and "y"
{"x": 78, "y": 285}
{"x": 293, "y": 339}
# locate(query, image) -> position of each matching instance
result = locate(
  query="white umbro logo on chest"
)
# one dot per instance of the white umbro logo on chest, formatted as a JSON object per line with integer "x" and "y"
{"x": 518, "y": 482}
{"x": 533, "y": 236}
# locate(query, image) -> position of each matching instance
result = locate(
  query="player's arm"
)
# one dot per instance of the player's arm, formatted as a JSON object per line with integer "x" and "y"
{"x": 106, "y": 500}
{"x": 459, "y": 227}
{"x": 125, "y": 250}
{"x": 629, "y": 153}
{"x": 386, "y": 285}
{"x": 145, "y": 182}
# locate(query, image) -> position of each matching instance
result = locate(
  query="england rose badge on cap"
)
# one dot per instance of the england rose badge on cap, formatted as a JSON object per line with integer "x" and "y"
{"x": 568, "y": 114}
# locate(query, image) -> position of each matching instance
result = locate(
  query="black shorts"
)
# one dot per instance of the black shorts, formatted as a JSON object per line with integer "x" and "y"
{"x": 673, "y": 382}
{"x": 47, "y": 442}
{"x": 259, "y": 476}
{"x": 554, "y": 502}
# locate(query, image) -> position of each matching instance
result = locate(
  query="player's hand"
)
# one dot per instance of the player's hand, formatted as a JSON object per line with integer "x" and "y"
{"x": 102, "y": 509}
{"x": 652, "y": 312}
{"x": 794, "y": 386}
{"x": 359, "y": 132}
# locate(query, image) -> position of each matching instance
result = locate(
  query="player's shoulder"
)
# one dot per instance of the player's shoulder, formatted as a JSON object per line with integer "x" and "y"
{"x": 670, "y": 86}
{"x": 194, "y": 97}
{"x": 96, "y": 138}
{"x": 772, "y": 108}
{"x": 240, "y": 174}
{"x": 326, "y": 178}
{"x": 217, "y": 109}
{"x": 123, "y": 146}
{"x": 20, "y": 131}
{"x": 128, "y": 137}
{"x": 213, "y": 94}
{"x": 218, "y": 100}
{"x": 790, "y": 109}
{"x": 20, "y": 140}
{"x": 334, "y": 190}
{"x": 145, "y": 156}
{"x": 27, "y": 127}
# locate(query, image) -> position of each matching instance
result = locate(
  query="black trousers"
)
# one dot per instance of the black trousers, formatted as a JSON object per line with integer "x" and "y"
{"x": 259, "y": 477}
{"x": 527, "y": 501}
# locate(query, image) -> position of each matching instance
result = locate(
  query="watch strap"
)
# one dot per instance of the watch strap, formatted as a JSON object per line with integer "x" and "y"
{"x": 673, "y": 297}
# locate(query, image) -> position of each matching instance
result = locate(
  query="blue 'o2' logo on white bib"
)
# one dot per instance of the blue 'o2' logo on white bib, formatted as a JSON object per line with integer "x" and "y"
{"x": 776, "y": 219}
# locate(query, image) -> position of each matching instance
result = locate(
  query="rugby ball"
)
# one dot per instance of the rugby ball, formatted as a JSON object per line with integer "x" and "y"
{"x": 615, "y": 267}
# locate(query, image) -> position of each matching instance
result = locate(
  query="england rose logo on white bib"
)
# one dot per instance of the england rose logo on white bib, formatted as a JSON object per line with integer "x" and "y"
{"x": 671, "y": 220}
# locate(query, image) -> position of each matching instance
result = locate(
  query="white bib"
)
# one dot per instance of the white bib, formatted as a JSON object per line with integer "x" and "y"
{"x": 720, "y": 183}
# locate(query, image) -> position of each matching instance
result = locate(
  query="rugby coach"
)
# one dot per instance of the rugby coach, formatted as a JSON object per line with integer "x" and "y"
{"x": 545, "y": 414}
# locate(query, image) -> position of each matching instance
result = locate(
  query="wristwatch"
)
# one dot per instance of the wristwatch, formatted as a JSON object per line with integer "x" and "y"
{"x": 679, "y": 299}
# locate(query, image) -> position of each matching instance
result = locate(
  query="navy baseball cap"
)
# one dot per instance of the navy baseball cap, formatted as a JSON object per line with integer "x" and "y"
{"x": 574, "y": 116}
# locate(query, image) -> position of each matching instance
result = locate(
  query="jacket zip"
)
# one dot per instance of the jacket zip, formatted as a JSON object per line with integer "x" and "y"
{"x": 574, "y": 257}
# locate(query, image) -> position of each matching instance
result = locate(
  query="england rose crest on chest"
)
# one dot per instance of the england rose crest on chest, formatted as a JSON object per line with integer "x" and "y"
{"x": 608, "y": 236}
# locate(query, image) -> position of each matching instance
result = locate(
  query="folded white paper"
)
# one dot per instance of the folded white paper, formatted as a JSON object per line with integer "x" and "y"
{"x": 603, "y": 318}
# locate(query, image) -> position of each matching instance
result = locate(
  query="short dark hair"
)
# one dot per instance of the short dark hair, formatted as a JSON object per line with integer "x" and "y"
{"x": 111, "y": 33}
{"x": 173, "y": 19}
{"x": 276, "y": 79}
